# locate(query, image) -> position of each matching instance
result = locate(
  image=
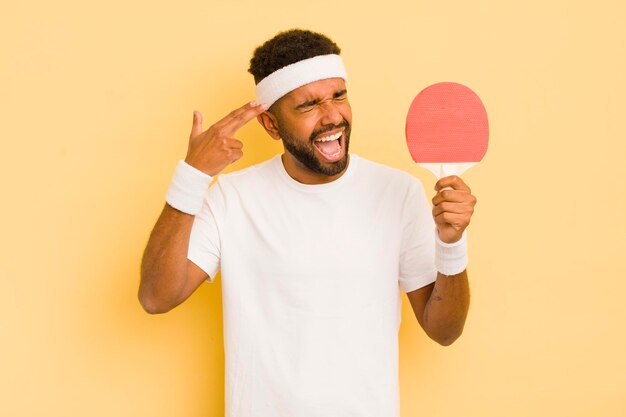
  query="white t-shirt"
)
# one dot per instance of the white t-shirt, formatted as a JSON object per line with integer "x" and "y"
{"x": 311, "y": 279}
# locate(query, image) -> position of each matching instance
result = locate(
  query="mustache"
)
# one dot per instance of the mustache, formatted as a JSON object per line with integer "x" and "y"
{"x": 318, "y": 132}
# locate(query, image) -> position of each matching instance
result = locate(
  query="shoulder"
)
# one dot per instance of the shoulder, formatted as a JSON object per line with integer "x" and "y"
{"x": 377, "y": 173}
{"x": 250, "y": 183}
{"x": 252, "y": 175}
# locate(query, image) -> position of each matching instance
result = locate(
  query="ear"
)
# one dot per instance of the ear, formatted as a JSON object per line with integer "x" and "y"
{"x": 269, "y": 123}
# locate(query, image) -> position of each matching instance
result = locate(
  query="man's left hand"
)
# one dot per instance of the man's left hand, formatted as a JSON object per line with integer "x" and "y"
{"x": 453, "y": 206}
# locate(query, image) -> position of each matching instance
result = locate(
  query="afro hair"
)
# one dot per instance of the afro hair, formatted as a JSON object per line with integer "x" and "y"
{"x": 287, "y": 48}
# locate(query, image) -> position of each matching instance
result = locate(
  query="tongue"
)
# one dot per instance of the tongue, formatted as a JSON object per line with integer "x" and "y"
{"x": 328, "y": 148}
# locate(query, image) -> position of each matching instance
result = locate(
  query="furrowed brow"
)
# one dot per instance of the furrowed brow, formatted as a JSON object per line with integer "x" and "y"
{"x": 311, "y": 103}
{"x": 307, "y": 104}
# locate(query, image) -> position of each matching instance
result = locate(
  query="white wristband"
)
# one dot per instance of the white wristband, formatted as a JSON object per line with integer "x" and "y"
{"x": 451, "y": 258}
{"x": 188, "y": 188}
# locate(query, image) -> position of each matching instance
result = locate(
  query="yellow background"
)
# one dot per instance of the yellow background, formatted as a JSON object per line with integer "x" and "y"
{"x": 96, "y": 106}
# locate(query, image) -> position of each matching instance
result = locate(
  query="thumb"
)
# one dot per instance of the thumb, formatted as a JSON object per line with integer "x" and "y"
{"x": 196, "y": 127}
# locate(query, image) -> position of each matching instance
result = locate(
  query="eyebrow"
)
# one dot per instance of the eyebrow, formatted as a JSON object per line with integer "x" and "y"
{"x": 314, "y": 102}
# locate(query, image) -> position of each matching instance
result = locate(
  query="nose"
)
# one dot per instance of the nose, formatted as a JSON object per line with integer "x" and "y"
{"x": 330, "y": 113}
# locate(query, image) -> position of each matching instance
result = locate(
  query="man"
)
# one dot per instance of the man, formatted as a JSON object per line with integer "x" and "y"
{"x": 314, "y": 247}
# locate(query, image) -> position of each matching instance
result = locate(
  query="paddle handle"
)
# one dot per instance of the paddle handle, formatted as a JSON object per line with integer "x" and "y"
{"x": 445, "y": 169}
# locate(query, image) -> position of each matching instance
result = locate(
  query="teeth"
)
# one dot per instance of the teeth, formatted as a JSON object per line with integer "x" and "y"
{"x": 328, "y": 138}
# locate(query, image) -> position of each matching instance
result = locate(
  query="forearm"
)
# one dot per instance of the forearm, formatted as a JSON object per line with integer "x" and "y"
{"x": 164, "y": 264}
{"x": 446, "y": 309}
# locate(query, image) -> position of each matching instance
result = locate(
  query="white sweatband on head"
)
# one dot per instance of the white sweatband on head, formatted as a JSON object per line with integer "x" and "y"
{"x": 295, "y": 75}
{"x": 451, "y": 258}
{"x": 188, "y": 188}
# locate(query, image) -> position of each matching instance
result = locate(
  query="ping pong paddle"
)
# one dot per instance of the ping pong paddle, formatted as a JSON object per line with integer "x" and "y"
{"x": 447, "y": 130}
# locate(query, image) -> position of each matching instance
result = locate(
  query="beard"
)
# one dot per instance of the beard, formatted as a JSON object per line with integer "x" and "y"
{"x": 304, "y": 152}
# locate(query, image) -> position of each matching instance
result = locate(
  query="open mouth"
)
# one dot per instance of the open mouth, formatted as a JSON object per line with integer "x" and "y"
{"x": 331, "y": 146}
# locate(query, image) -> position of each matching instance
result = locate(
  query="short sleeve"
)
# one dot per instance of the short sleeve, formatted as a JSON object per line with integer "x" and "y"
{"x": 417, "y": 252}
{"x": 204, "y": 242}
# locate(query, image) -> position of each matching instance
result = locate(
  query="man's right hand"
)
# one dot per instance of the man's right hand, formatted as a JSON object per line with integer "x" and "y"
{"x": 214, "y": 149}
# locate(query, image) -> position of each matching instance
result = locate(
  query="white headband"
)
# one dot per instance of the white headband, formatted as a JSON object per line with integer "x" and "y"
{"x": 288, "y": 78}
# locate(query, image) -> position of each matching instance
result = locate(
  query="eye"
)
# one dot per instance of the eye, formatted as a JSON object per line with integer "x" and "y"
{"x": 341, "y": 95}
{"x": 307, "y": 106}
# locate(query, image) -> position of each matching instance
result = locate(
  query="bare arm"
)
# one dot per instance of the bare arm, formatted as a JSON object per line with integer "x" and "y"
{"x": 441, "y": 308}
{"x": 167, "y": 277}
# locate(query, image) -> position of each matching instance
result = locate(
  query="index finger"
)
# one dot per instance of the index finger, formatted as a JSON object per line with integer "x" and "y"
{"x": 454, "y": 182}
{"x": 237, "y": 118}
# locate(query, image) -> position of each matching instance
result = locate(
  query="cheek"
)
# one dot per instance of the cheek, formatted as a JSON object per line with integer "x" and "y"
{"x": 301, "y": 130}
{"x": 307, "y": 125}
{"x": 295, "y": 127}
{"x": 346, "y": 112}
